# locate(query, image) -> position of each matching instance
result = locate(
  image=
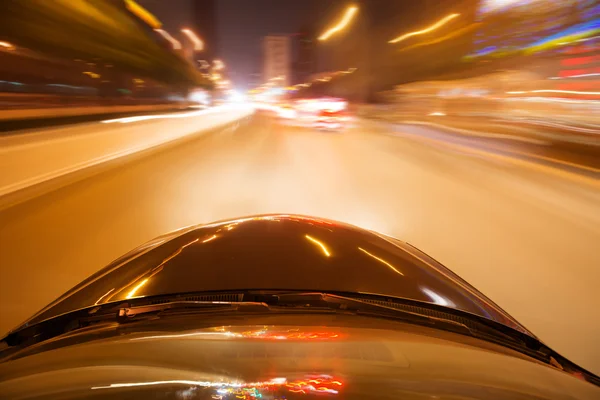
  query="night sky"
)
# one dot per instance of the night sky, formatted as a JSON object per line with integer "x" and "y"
{"x": 241, "y": 24}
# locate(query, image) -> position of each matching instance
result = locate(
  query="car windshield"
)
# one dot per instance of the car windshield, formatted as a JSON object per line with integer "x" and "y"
{"x": 438, "y": 154}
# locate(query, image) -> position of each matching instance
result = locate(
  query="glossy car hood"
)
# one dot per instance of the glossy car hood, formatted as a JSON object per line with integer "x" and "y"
{"x": 291, "y": 357}
{"x": 285, "y": 252}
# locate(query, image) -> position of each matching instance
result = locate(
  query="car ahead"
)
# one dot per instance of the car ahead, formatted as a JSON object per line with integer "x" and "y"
{"x": 280, "y": 307}
{"x": 334, "y": 120}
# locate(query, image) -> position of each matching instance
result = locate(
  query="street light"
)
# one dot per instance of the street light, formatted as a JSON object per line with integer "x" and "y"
{"x": 433, "y": 27}
{"x": 198, "y": 44}
{"x": 348, "y": 16}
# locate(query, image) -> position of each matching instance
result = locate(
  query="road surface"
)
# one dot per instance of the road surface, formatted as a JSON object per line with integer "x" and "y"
{"x": 525, "y": 233}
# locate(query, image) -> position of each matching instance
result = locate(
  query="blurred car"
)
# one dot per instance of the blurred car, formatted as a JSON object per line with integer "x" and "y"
{"x": 280, "y": 306}
{"x": 330, "y": 120}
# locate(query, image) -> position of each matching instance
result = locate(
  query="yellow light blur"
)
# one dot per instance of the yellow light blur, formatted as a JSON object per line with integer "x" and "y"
{"x": 174, "y": 42}
{"x": 318, "y": 243}
{"x": 381, "y": 260}
{"x": 91, "y": 74}
{"x": 433, "y": 27}
{"x": 7, "y": 45}
{"x": 198, "y": 44}
{"x": 103, "y": 296}
{"x": 136, "y": 288}
{"x": 213, "y": 237}
{"x": 218, "y": 65}
{"x": 348, "y": 15}
{"x": 142, "y": 14}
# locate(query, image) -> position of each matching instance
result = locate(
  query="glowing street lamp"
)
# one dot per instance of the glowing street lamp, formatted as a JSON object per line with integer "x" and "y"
{"x": 346, "y": 19}
{"x": 198, "y": 44}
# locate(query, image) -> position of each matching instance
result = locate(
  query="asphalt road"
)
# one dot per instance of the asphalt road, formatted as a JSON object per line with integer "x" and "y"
{"x": 524, "y": 232}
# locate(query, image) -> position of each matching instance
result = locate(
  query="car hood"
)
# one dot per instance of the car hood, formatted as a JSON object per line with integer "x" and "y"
{"x": 278, "y": 252}
{"x": 281, "y": 357}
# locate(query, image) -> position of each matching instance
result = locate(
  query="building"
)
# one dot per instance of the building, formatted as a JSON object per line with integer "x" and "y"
{"x": 277, "y": 60}
{"x": 305, "y": 61}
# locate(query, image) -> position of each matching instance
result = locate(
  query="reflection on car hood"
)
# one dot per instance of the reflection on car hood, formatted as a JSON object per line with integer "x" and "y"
{"x": 279, "y": 252}
{"x": 291, "y": 357}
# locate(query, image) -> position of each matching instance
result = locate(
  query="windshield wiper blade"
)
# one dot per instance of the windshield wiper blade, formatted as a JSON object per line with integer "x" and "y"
{"x": 195, "y": 306}
{"x": 120, "y": 313}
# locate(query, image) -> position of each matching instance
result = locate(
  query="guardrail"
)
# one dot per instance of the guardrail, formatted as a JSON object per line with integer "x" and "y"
{"x": 31, "y": 159}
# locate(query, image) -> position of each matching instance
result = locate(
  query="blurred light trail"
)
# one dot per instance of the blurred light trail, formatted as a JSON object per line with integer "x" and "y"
{"x": 126, "y": 120}
{"x": 381, "y": 260}
{"x": 433, "y": 27}
{"x": 437, "y": 299}
{"x": 556, "y": 91}
{"x": 218, "y": 65}
{"x": 136, "y": 288}
{"x": 174, "y": 42}
{"x": 142, "y": 14}
{"x": 213, "y": 237}
{"x": 348, "y": 16}
{"x": 103, "y": 296}
{"x": 456, "y": 33}
{"x": 576, "y": 76}
{"x": 318, "y": 243}
{"x": 7, "y": 45}
{"x": 198, "y": 44}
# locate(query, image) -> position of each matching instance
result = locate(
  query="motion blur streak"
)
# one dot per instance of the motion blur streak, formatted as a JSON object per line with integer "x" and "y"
{"x": 143, "y": 14}
{"x": 437, "y": 299}
{"x": 433, "y": 27}
{"x": 381, "y": 260}
{"x": 198, "y": 44}
{"x": 320, "y": 244}
{"x": 6, "y": 45}
{"x": 135, "y": 289}
{"x": 127, "y": 120}
{"x": 554, "y": 91}
{"x": 174, "y": 42}
{"x": 346, "y": 19}
{"x": 172, "y": 382}
{"x": 104, "y": 295}
{"x": 213, "y": 237}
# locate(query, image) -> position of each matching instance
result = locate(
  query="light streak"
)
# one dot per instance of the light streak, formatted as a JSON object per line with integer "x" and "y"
{"x": 198, "y": 44}
{"x": 318, "y": 243}
{"x": 437, "y": 299}
{"x": 272, "y": 382}
{"x": 142, "y": 14}
{"x": 174, "y": 42}
{"x": 576, "y": 76}
{"x": 103, "y": 296}
{"x": 426, "y": 30}
{"x": 556, "y": 91}
{"x": 348, "y": 16}
{"x": 7, "y": 45}
{"x": 126, "y": 120}
{"x": 381, "y": 260}
{"x": 135, "y": 289}
{"x": 218, "y": 65}
{"x": 213, "y": 237}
